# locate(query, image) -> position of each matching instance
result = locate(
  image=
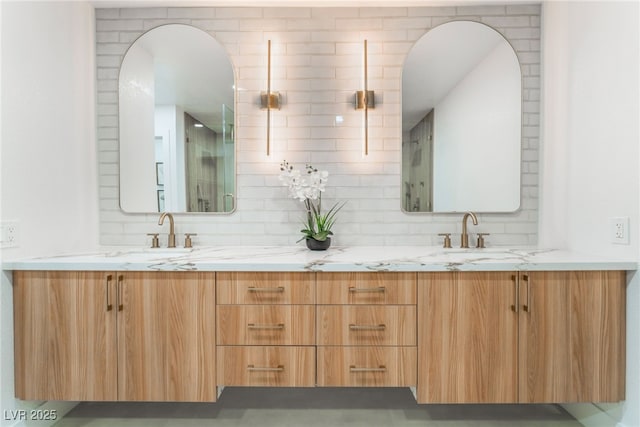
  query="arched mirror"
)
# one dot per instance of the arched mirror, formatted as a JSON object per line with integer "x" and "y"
{"x": 176, "y": 115}
{"x": 461, "y": 121}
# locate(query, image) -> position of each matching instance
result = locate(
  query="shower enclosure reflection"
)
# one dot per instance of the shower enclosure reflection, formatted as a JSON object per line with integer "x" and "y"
{"x": 209, "y": 173}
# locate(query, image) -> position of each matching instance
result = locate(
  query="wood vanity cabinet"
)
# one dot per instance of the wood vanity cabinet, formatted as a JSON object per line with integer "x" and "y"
{"x": 132, "y": 336}
{"x": 266, "y": 329}
{"x": 366, "y": 329}
{"x": 503, "y": 337}
{"x": 460, "y": 337}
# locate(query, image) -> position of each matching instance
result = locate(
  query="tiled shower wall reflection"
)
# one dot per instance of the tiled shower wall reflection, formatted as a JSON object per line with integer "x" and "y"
{"x": 317, "y": 66}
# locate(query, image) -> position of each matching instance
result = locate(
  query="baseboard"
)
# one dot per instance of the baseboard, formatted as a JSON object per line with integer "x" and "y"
{"x": 590, "y": 415}
{"x": 45, "y": 415}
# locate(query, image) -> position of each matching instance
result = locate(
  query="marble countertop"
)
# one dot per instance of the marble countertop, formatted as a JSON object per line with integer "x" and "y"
{"x": 298, "y": 258}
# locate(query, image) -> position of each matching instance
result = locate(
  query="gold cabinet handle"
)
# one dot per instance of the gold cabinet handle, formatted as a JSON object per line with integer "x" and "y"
{"x": 516, "y": 283}
{"x": 527, "y": 306}
{"x": 380, "y": 289}
{"x": 279, "y": 289}
{"x": 354, "y": 369}
{"x": 107, "y": 285}
{"x": 255, "y": 326}
{"x": 380, "y": 327}
{"x": 252, "y": 368}
{"x": 119, "y": 292}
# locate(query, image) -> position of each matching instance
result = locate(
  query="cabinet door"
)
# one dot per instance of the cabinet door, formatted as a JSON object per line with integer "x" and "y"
{"x": 65, "y": 342}
{"x": 467, "y": 338}
{"x": 166, "y": 336}
{"x": 572, "y": 336}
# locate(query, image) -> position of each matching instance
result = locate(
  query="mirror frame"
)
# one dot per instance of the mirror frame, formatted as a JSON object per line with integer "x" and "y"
{"x": 521, "y": 132}
{"x": 235, "y": 126}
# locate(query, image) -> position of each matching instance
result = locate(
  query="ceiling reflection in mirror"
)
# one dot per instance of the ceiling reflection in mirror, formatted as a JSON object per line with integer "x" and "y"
{"x": 177, "y": 117}
{"x": 461, "y": 122}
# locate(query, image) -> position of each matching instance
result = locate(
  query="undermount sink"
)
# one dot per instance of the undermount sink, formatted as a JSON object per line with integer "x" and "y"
{"x": 167, "y": 251}
{"x": 482, "y": 253}
{"x": 151, "y": 252}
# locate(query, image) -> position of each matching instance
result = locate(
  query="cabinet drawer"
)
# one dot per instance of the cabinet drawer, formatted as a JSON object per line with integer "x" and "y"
{"x": 366, "y": 288}
{"x": 367, "y": 366}
{"x": 265, "y": 288}
{"x": 266, "y": 366}
{"x": 366, "y": 325}
{"x": 266, "y": 324}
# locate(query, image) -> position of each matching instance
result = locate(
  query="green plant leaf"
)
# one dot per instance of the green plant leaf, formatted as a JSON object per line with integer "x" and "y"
{"x": 318, "y": 225}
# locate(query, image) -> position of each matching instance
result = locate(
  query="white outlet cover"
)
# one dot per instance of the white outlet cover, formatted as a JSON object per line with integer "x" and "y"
{"x": 9, "y": 234}
{"x": 619, "y": 230}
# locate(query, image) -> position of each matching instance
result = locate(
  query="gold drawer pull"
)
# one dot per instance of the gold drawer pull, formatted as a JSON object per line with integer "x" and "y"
{"x": 527, "y": 307}
{"x": 279, "y": 289}
{"x": 380, "y": 327}
{"x": 380, "y": 289}
{"x": 251, "y": 368}
{"x": 254, "y": 326}
{"x": 516, "y": 287}
{"x": 354, "y": 369}
{"x": 109, "y": 306}
{"x": 119, "y": 293}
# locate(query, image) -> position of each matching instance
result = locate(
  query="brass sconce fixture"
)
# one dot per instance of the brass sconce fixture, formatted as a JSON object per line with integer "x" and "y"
{"x": 269, "y": 100}
{"x": 365, "y": 100}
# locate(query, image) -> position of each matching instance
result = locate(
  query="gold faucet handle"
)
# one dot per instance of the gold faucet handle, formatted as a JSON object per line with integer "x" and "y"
{"x": 447, "y": 239}
{"x": 480, "y": 241}
{"x": 187, "y": 239}
{"x": 155, "y": 242}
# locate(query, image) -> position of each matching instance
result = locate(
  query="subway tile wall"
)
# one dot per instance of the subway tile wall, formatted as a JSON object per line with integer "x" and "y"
{"x": 317, "y": 66}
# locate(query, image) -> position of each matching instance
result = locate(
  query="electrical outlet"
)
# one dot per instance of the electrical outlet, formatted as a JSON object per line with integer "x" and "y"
{"x": 10, "y": 234}
{"x": 619, "y": 230}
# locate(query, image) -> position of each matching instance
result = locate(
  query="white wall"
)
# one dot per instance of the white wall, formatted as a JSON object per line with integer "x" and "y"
{"x": 48, "y": 156}
{"x": 137, "y": 104}
{"x": 169, "y": 123}
{"x": 484, "y": 146}
{"x": 590, "y": 163}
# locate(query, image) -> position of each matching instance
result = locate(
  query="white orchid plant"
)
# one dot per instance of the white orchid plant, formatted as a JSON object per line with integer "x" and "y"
{"x": 308, "y": 188}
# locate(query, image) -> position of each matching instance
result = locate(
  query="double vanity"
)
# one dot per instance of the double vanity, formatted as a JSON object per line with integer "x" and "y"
{"x": 455, "y": 325}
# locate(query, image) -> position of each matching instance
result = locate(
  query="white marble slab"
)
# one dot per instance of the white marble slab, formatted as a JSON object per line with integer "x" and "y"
{"x": 298, "y": 258}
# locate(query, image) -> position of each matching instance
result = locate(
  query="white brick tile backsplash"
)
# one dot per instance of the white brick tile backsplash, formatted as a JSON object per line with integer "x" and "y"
{"x": 480, "y": 10}
{"x": 317, "y": 56}
{"x": 406, "y": 23}
{"x": 507, "y": 21}
{"x": 105, "y": 25}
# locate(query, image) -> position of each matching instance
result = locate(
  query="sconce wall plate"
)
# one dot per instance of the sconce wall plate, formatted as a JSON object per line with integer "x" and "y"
{"x": 365, "y": 99}
{"x": 270, "y": 100}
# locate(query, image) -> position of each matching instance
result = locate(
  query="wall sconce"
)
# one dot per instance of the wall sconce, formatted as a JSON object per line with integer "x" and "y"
{"x": 269, "y": 100}
{"x": 365, "y": 100}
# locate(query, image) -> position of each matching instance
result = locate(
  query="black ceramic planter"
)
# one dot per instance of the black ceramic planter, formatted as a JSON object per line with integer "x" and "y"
{"x": 317, "y": 245}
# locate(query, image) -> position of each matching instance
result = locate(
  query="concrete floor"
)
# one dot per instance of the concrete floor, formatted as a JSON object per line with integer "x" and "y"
{"x": 270, "y": 407}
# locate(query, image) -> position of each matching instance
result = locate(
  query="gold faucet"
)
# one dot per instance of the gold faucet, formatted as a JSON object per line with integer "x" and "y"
{"x": 464, "y": 237}
{"x": 172, "y": 234}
